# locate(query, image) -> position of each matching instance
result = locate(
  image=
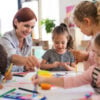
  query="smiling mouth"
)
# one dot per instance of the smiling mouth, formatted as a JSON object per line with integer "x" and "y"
{"x": 25, "y": 33}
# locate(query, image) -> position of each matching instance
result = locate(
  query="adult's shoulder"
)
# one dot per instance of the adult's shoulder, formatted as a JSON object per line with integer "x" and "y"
{"x": 8, "y": 38}
{"x": 8, "y": 35}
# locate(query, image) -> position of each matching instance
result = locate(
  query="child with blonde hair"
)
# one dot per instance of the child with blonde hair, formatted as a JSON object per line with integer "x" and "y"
{"x": 87, "y": 18}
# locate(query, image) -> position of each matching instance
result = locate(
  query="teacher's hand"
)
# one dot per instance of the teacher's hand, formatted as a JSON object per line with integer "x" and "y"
{"x": 31, "y": 62}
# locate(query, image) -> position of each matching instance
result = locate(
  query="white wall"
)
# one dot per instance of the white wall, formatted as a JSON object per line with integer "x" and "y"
{"x": 49, "y": 9}
{"x": 63, "y": 5}
{"x": 8, "y": 9}
{"x": 78, "y": 35}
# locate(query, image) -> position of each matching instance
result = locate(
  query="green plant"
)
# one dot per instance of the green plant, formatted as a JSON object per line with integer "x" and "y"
{"x": 49, "y": 24}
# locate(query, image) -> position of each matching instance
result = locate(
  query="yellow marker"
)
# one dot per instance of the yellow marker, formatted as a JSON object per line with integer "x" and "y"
{"x": 44, "y": 73}
{"x": 76, "y": 69}
{"x": 7, "y": 72}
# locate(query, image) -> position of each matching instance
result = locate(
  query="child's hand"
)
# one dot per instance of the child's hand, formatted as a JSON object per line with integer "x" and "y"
{"x": 1, "y": 86}
{"x": 8, "y": 76}
{"x": 65, "y": 65}
{"x": 80, "y": 56}
{"x": 56, "y": 64}
{"x": 37, "y": 80}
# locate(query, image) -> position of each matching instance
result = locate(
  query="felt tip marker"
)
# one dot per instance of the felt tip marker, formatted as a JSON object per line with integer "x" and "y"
{"x": 27, "y": 90}
{"x": 18, "y": 75}
{"x": 8, "y": 92}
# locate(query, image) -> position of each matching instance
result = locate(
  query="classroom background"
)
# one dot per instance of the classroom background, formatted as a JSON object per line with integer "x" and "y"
{"x": 56, "y": 11}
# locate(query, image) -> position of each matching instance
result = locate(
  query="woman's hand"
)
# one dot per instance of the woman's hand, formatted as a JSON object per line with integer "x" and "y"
{"x": 31, "y": 62}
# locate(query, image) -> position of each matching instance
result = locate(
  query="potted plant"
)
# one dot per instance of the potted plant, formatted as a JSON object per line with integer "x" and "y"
{"x": 49, "y": 24}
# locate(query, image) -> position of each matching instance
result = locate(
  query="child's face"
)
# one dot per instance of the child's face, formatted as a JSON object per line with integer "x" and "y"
{"x": 60, "y": 43}
{"x": 85, "y": 27}
{"x": 96, "y": 51}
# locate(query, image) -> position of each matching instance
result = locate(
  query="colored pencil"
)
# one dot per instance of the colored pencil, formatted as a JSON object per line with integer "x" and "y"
{"x": 8, "y": 92}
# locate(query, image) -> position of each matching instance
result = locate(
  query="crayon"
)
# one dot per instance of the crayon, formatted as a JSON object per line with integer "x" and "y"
{"x": 18, "y": 75}
{"x": 8, "y": 92}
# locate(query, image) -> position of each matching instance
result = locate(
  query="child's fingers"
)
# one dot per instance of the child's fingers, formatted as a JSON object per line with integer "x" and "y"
{"x": 34, "y": 80}
{"x": 9, "y": 77}
{"x": 1, "y": 86}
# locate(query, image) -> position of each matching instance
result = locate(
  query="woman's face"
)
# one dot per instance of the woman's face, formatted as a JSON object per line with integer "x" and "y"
{"x": 84, "y": 27}
{"x": 24, "y": 28}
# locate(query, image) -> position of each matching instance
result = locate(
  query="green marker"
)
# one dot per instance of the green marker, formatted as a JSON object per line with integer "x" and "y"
{"x": 8, "y": 92}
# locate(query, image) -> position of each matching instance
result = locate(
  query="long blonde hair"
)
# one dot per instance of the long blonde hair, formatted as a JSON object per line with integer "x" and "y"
{"x": 88, "y": 9}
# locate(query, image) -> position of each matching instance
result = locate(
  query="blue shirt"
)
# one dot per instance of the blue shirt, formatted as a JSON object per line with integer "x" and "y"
{"x": 11, "y": 44}
{"x": 51, "y": 56}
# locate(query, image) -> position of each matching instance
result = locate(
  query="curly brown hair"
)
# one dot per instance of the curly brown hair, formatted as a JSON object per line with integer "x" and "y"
{"x": 3, "y": 60}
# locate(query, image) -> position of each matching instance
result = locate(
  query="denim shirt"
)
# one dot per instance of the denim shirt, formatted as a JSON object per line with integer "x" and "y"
{"x": 11, "y": 44}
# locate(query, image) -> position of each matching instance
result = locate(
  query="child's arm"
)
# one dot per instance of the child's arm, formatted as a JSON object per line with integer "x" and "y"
{"x": 51, "y": 80}
{"x": 67, "y": 82}
{"x": 45, "y": 65}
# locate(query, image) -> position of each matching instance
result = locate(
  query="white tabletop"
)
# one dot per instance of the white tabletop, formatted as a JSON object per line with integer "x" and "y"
{"x": 55, "y": 93}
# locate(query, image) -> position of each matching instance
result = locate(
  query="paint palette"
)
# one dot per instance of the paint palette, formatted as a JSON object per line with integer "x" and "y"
{"x": 23, "y": 96}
